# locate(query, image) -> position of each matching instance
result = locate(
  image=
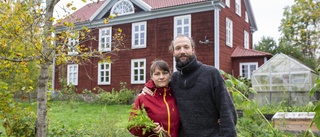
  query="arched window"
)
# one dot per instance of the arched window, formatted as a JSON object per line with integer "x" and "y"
{"x": 122, "y": 7}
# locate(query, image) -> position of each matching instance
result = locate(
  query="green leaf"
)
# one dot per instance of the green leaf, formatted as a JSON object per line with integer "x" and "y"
{"x": 252, "y": 91}
{"x": 229, "y": 83}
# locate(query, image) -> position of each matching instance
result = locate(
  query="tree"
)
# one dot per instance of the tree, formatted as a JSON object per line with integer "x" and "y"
{"x": 300, "y": 28}
{"x": 267, "y": 44}
{"x": 26, "y": 29}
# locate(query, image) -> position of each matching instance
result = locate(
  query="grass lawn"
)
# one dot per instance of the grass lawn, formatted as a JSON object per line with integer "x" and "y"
{"x": 107, "y": 120}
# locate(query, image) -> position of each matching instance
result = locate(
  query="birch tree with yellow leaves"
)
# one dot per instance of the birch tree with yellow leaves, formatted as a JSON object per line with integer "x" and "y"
{"x": 26, "y": 39}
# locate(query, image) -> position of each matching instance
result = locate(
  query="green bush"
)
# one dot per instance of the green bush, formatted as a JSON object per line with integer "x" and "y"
{"x": 17, "y": 120}
{"x": 123, "y": 96}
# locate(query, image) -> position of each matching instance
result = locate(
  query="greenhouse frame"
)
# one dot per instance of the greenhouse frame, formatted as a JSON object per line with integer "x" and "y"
{"x": 283, "y": 78}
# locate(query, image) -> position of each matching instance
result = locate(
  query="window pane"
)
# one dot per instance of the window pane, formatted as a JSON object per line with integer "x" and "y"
{"x": 186, "y": 21}
{"x": 179, "y": 30}
{"x": 135, "y": 65}
{"x": 142, "y": 28}
{"x": 141, "y": 64}
{"x": 179, "y": 22}
{"x": 136, "y": 28}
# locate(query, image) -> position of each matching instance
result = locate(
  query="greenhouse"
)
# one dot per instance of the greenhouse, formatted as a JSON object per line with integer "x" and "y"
{"x": 283, "y": 78}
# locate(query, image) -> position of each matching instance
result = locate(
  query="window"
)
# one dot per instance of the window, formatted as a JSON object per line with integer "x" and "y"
{"x": 246, "y": 17}
{"x": 247, "y": 69}
{"x": 122, "y": 7}
{"x": 139, "y": 35}
{"x": 228, "y": 3}
{"x": 238, "y": 7}
{"x": 229, "y": 32}
{"x": 72, "y": 74}
{"x": 182, "y": 25}
{"x": 105, "y": 38}
{"x": 138, "y": 71}
{"x": 104, "y": 73}
{"x": 73, "y": 42}
{"x": 246, "y": 40}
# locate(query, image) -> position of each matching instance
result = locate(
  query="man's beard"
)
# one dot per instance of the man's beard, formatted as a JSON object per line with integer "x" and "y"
{"x": 182, "y": 64}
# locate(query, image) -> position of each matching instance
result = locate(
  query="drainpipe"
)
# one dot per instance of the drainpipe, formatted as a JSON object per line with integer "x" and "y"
{"x": 217, "y": 5}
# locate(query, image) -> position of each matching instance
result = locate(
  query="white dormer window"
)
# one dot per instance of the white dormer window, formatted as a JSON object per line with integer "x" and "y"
{"x": 122, "y": 7}
{"x": 238, "y": 7}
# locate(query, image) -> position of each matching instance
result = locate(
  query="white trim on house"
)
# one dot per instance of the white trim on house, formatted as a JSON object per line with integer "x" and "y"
{"x": 139, "y": 35}
{"x": 122, "y": 7}
{"x": 229, "y": 32}
{"x": 246, "y": 18}
{"x": 138, "y": 66}
{"x": 105, "y": 39}
{"x": 238, "y": 7}
{"x": 246, "y": 39}
{"x": 228, "y": 3}
{"x": 217, "y": 8}
{"x": 249, "y": 72}
{"x": 73, "y": 42}
{"x": 142, "y": 5}
{"x": 180, "y": 25}
{"x": 72, "y": 74}
{"x": 104, "y": 73}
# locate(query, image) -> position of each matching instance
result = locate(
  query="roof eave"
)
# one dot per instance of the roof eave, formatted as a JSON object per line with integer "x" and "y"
{"x": 253, "y": 25}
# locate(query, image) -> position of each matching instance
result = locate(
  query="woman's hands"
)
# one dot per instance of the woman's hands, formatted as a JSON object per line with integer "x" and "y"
{"x": 160, "y": 130}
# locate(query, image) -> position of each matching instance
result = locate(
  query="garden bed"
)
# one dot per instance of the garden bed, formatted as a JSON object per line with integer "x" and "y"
{"x": 294, "y": 121}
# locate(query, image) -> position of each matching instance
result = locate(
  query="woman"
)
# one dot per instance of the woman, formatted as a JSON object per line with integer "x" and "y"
{"x": 161, "y": 107}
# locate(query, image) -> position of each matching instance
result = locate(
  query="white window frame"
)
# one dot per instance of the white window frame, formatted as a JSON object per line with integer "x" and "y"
{"x": 123, "y": 6}
{"x": 106, "y": 34}
{"x": 72, "y": 74}
{"x": 229, "y": 32}
{"x": 238, "y": 7}
{"x": 184, "y": 27}
{"x": 142, "y": 30}
{"x": 246, "y": 18}
{"x": 106, "y": 73}
{"x": 228, "y": 3}
{"x": 73, "y": 42}
{"x": 248, "y": 64}
{"x": 246, "y": 39}
{"x": 138, "y": 68}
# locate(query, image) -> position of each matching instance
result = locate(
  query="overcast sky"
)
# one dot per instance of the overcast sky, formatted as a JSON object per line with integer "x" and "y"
{"x": 267, "y": 13}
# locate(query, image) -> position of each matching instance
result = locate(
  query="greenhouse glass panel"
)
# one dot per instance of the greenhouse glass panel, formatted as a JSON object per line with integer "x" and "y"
{"x": 283, "y": 78}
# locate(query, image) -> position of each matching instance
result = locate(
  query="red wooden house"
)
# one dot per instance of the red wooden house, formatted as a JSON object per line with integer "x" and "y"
{"x": 222, "y": 30}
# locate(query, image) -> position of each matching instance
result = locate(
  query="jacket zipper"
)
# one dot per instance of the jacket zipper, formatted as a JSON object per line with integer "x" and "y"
{"x": 168, "y": 109}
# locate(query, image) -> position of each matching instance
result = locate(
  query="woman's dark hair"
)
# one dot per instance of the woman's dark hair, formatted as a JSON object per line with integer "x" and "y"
{"x": 160, "y": 64}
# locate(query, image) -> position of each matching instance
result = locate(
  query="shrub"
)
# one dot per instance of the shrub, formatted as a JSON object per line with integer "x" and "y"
{"x": 17, "y": 120}
{"x": 123, "y": 96}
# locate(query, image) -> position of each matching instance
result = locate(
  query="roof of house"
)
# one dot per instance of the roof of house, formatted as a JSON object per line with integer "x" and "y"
{"x": 96, "y": 10}
{"x": 156, "y": 4}
{"x": 242, "y": 52}
{"x": 84, "y": 13}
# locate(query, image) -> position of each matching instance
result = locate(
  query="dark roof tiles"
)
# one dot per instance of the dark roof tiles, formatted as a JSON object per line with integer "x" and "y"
{"x": 241, "y": 52}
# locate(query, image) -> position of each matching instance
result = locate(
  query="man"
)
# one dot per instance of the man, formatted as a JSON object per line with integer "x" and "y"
{"x": 205, "y": 106}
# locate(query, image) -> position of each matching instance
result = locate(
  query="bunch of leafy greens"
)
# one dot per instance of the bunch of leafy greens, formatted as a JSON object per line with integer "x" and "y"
{"x": 141, "y": 120}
